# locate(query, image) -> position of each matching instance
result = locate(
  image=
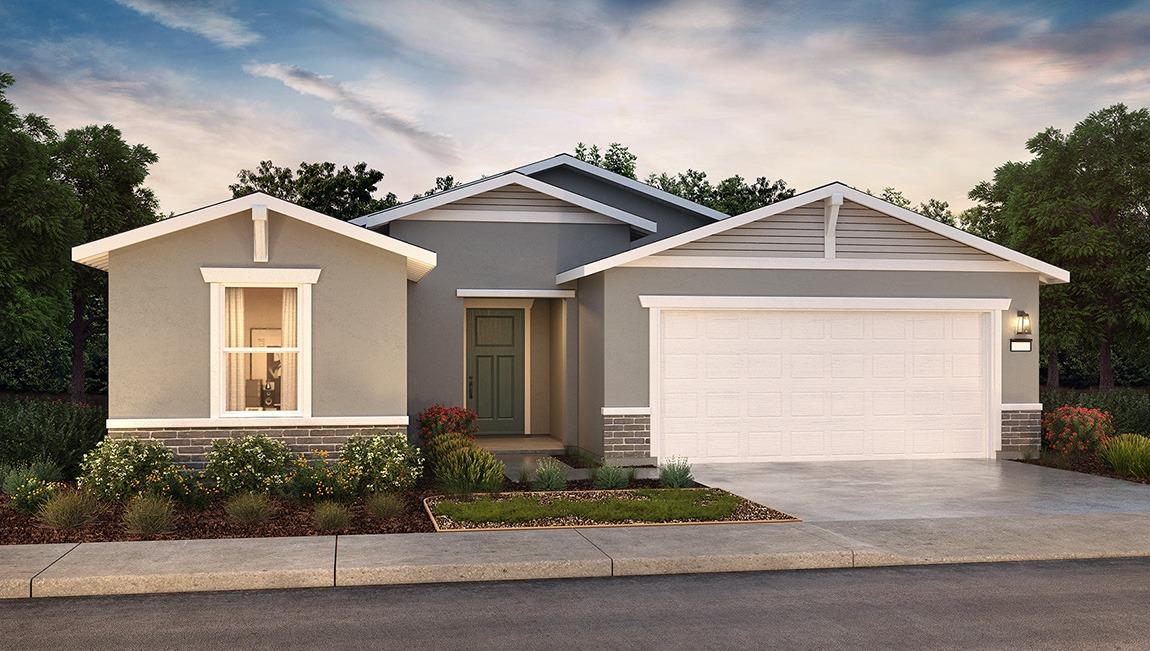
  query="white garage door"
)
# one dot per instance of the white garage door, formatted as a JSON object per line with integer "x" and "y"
{"x": 770, "y": 385}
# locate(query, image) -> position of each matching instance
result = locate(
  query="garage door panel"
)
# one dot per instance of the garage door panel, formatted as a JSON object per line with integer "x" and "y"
{"x": 823, "y": 385}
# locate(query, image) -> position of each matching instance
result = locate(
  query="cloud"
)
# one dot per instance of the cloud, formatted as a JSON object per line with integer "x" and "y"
{"x": 198, "y": 17}
{"x": 352, "y": 106}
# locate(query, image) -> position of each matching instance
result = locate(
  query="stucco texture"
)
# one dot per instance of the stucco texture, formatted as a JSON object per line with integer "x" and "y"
{"x": 159, "y": 321}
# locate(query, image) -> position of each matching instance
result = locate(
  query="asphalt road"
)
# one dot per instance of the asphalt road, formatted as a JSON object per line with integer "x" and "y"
{"x": 1096, "y": 604}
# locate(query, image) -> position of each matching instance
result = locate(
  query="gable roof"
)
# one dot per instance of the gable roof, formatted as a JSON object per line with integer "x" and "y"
{"x": 1047, "y": 272}
{"x": 491, "y": 183}
{"x": 618, "y": 179}
{"x": 95, "y": 254}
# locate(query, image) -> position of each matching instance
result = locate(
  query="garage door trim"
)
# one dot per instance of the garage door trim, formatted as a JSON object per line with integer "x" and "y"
{"x": 992, "y": 307}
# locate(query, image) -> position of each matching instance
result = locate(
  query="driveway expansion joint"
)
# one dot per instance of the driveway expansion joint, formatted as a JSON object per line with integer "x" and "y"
{"x": 32, "y": 579}
{"x": 578, "y": 531}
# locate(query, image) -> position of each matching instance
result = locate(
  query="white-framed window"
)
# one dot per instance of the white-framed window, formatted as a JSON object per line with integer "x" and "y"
{"x": 260, "y": 341}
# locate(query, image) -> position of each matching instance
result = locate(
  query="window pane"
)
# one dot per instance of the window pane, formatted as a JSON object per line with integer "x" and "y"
{"x": 260, "y": 317}
{"x": 261, "y": 381}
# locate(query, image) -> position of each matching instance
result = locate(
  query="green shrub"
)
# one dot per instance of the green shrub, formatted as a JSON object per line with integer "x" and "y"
{"x": 1076, "y": 431}
{"x": 438, "y": 449}
{"x": 608, "y": 476}
{"x": 252, "y": 464}
{"x": 469, "y": 470}
{"x": 676, "y": 473}
{"x": 29, "y": 493}
{"x": 181, "y": 485}
{"x": 384, "y": 462}
{"x": 1128, "y": 455}
{"x": 437, "y": 420}
{"x": 1130, "y": 408}
{"x": 330, "y": 516}
{"x": 58, "y": 431}
{"x": 550, "y": 475}
{"x": 249, "y": 508}
{"x": 13, "y": 476}
{"x": 148, "y": 515}
{"x": 384, "y": 505}
{"x": 68, "y": 509}
{"x": 315, "y": 478}
{"x": 122, "y": 468}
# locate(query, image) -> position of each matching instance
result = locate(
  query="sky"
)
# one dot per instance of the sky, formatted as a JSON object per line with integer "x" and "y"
{"x": 926, "y": 97}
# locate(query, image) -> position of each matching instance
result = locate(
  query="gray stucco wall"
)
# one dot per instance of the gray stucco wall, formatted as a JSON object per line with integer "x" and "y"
{"x": 670, "y": 218}
{"x": 483, "y": 255}
{"x": 626, "y": 324}
{"x": 591, "y": 364}
{"x": 159, "y": 354}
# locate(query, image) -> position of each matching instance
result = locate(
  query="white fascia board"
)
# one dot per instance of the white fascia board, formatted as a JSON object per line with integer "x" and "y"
{"x": 631, "y": 184}
{"x": 1049, "y": 273}
{"x": 824, "y": 303}
{"x": 494, "y": 183}
{"x": 515, "y": 293}
{"x": 95, "y": 254}
{"x": 824, "y": 264}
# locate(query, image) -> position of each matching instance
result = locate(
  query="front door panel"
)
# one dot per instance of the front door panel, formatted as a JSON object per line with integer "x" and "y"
{"x": 495, "y": 369}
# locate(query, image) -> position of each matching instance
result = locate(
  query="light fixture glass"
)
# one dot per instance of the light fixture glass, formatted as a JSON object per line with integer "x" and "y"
{"x": 1022, "y": 323}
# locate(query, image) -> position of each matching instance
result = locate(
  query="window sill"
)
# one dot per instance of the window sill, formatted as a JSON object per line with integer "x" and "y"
{"x": 261, "y": 421}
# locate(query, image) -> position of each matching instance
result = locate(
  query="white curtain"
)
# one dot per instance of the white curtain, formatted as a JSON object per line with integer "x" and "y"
{"x": 234, "y": 336}
{"x": 290, "y": 364}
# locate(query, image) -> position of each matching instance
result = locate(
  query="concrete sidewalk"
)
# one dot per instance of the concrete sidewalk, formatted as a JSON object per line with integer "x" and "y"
{"x": 324, "y": 561}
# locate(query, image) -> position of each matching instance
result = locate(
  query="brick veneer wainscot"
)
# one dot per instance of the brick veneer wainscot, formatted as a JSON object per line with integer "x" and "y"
{"x": 1021, "y": 432}
{"x": 627, "y": 437}
{"x": 191, "y": 445}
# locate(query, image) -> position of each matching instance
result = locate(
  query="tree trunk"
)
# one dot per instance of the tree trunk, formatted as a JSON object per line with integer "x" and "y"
{"x": 1052, "y": 378}
{"x": 79, "y": 330}
{"x": 1105, "y": 365}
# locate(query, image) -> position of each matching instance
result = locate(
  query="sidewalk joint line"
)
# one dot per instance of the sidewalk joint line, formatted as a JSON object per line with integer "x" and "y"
{"x": 335, "y": 564}
{"x": 580, "y": 532}
{"x": 31, "y": 580}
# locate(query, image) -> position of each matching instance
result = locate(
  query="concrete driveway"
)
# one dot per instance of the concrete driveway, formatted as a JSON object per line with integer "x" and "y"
{"x": 889, "y": 490}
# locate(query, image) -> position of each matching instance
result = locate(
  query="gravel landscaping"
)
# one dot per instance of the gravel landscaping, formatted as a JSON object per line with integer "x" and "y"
{"x": 582, "y": 508}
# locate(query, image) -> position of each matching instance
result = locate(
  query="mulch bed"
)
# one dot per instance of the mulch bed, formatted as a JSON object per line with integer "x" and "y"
{"x": 746, "y": 511}
{"x": 1090, "y": 464}
{"x": 291, "y": 519}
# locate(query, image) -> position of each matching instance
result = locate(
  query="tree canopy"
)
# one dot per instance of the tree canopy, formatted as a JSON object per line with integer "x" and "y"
{"x": 342, "y": 192}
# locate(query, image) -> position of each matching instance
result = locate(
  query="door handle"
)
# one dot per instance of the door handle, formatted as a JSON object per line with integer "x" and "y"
{"x": 470, "y": 388}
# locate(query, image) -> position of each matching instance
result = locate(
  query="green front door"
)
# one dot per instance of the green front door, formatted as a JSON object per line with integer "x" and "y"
{"x": 495, "y": 369}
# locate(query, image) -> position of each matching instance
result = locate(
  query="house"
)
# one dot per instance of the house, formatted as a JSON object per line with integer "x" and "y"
{"x": 575, "y": 307}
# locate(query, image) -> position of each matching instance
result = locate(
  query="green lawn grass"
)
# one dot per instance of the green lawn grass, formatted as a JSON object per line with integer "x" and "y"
{"x": 660, "y": 505}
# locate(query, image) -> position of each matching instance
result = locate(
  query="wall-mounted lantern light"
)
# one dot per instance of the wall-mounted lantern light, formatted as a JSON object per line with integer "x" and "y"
{"x": 1022, "y": 323}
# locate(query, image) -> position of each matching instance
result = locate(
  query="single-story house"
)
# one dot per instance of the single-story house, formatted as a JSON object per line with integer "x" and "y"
{"x": 569, "y": 304}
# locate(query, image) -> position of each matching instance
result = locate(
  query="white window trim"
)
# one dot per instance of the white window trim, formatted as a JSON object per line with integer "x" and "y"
{"x": 220, "y": 278}
{"x": 263, "y": 421}
{"x": 992, "y": 309}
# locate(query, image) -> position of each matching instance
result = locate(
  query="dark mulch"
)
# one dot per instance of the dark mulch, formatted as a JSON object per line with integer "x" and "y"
{"x": 1090, "y": 464}
{"x": 291, "y": 519}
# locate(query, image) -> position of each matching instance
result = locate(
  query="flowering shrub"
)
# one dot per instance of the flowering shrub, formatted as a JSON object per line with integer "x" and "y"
{"x": 183, "y": 486}
{"x": 437, "y": 419}
{"x": 122, "y": 468}
{"x": 1074, "y": 431}
{"x": 253, "y": 463}
{"x": 313, "y": 479}
{"x": 31, "y": 493}
{"x": 385, "y": 462}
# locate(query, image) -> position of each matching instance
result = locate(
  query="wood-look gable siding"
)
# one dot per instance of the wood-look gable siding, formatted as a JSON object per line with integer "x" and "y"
{"x": 515, "y": 198}
{"x": 866, "y": 233}
{"x": 796, "y": 233}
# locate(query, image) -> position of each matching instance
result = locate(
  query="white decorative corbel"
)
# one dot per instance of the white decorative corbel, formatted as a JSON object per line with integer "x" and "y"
{"x": 259, "y": 233}
{"x": 830, "y": 219}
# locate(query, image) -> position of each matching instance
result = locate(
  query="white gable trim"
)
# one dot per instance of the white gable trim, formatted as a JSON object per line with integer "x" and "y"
{"x": 631, "y": 184}
{"x": 95, "y": 254}
{"x": 496, "y": 182}
{"x": 1048, "y": 272}
{"x": 825, "y": 264}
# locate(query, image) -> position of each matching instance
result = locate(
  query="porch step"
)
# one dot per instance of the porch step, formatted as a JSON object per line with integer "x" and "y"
{"x": 536, "y": 445}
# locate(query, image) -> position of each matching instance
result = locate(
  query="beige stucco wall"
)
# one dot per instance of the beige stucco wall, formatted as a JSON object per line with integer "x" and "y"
{"x": 625, "y": 341}
{"x": 158, "y": 319}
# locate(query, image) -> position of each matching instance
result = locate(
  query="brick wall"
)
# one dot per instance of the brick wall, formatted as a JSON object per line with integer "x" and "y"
{"x": 627, "y": 438}
{"x": 190, "y": 445}
{"x": 1021, "y": 432}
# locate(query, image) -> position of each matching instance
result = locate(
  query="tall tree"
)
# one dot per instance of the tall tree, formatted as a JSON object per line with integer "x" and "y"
{"x": 936, "y": 209}
{"x": 1082, "y": 203}
{"x": 616, "y": 158}
{"x": 106, "y": 175}
{"x": 442, "y": 184}
{"x": 733, "y": 195}
{"x": 344, "y": 193}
